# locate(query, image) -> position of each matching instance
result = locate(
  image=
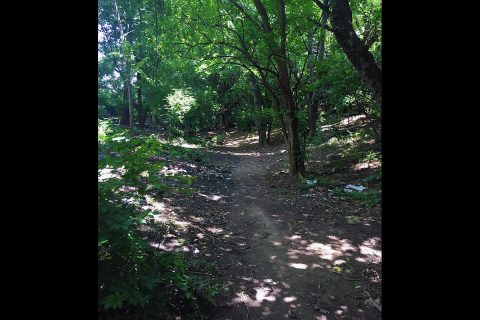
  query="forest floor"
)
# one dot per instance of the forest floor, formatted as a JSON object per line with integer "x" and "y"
{"x": 283, "y": 249}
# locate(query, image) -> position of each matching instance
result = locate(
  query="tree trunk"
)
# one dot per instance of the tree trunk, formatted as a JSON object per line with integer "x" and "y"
{"x": 258, "y": 102}
{"x": 312, "y": 116}
{"x": 269, "y": 132}
{"x": 222, "y": 124}
{"x": 275, "y": 107}
{"x": 125, "y": 113}
{"x": 295, "y": 156}
{"x": 141, "y": 112}
{"x": 356, "y": 51}
{"x": 312, "y": 106}
{"x": 130, "y": 99}
{"x": 128, "y": 84}
{"x": 153, "y": 120}
{"x": 313, "y": 98}
{"x": 269, "y": 120}
{"x": 296, "y": 159}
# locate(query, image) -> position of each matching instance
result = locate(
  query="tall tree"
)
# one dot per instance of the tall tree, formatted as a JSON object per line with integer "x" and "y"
{"x": 125, "y": 45}
{"x": 279, "y": 53}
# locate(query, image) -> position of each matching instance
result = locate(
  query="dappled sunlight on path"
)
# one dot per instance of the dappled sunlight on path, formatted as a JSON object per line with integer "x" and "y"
{"x": 319, "y": 271}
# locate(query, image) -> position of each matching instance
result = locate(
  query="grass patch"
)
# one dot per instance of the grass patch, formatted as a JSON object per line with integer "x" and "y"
{"x": 353, "y": 219}
{"x": 368, "y": 199}
{"x": 327, "y": 182}
{"x": 314, "y": 182}
{"x": 371, "y": 156}
{"x": 373, "y": 179}
{"x": 219, "y": 139}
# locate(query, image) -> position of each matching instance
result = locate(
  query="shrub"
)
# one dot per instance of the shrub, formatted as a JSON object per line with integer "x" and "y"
{"x": 132, "y": 277}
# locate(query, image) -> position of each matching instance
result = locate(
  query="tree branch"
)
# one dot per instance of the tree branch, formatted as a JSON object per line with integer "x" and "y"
{"x": 263, "y": 14}
{"x": 322, "y": 6}
{"x": 244, "y": 11}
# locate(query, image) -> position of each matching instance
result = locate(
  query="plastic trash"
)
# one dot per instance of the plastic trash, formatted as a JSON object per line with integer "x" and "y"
{"x": 120, "y": 139}
{"x": 352, "y": 187}
{"x": 311, "y": 182}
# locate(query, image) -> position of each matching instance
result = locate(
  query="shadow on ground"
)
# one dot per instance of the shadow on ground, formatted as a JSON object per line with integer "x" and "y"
{"x": 282, "y": 251}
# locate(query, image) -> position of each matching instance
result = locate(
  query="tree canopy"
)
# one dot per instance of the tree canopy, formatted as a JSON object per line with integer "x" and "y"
{"x": 299, "y": 58}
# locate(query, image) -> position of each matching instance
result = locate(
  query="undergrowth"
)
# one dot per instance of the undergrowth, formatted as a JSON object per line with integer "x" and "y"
{"x": 134, "y": 280}
{"x": 368, "y": 199}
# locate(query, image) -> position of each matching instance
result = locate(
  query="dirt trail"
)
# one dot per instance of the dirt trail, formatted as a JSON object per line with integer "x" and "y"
{"x": 292, "y": 257}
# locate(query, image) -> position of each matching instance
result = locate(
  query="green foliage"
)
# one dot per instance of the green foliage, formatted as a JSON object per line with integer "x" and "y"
{"x": 327, "y": 182}
{"x": 131, "y": 274}
{"x": 219, "y": 139}
{"x": 245, "y": 119}
{"x": 368, "y": 199}
{"x": 344, "y": 90}
{"x": 309, "y": 183}
{"x": 204, "y": 114}
{"x": 177, "y": 151}
{"x": 318, "y": 139}
{"x": 373, "y": 179}
{"x": 302, "y": 120}
{"x": 104, "y": 129}
{"x": 179, "y": 103}
{"x": 166, "y": 41}
{"x": 373, "y": 156}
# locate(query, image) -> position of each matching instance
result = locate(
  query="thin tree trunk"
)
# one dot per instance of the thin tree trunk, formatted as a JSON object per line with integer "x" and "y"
{"x": 127, "y": 67}
{"x": 313, "y": 101}
{"x": 312, "y": 106}
{"x": 269, "y": 132}
{"x": 269, "y": 120}
{"x": 130, "y": 100}
{"x": 295, "y": 156}
{"x": 275, "y": 105}
{"x": 258, "y": 102}
{"x": 124, "y": 120}
{"x": 141, "y": 112}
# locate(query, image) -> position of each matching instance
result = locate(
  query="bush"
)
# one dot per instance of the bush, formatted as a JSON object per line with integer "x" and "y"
{"x": 219, "y": 139}
{"x": 132, "y": 277}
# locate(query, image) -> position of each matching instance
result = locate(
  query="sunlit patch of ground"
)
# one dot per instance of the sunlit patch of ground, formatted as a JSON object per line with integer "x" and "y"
{"x": 367, "y": 165}
{"x": 109, "y": 173}
{"x": 210, "y": 197}
{"x": 180, "y": 143}
{"x": 171, "y": 170}
{"x": 352, "y": 120}
{"x": 244, "y": 154}
{"x": 236, "y": 139}
{"x": 336, "y": 251}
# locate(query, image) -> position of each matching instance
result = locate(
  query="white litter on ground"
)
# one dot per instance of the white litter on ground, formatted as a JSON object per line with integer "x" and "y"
{"x": 351, "y": 187}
